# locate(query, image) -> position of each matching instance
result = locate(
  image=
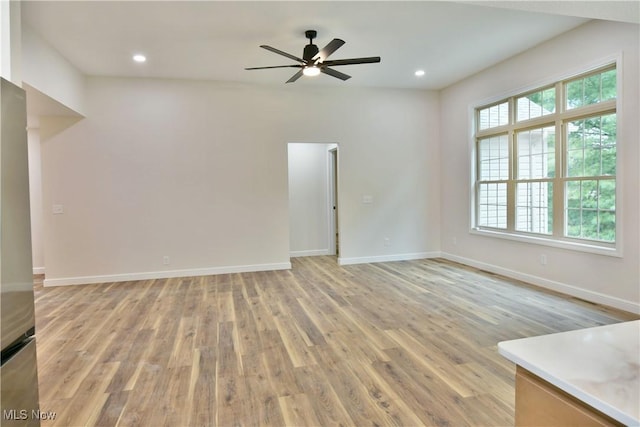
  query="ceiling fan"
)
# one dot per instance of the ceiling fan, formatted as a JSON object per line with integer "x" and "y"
{"x": 314, "y": 61}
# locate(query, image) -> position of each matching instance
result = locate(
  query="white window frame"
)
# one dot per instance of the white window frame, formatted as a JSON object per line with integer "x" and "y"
{"x": 557, "y": 119}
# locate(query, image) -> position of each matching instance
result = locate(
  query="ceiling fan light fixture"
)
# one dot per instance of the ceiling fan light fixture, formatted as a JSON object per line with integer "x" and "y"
{"x": 311, "y": 71}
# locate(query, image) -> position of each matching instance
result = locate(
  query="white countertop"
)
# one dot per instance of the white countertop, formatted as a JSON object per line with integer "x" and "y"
{"x": 600, "y": 366}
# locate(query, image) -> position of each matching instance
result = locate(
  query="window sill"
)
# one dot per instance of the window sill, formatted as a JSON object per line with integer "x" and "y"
{"x": 563, "y": 244}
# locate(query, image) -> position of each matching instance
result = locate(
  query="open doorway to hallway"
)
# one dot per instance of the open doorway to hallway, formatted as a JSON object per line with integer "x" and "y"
{"x": 313, "y": 199}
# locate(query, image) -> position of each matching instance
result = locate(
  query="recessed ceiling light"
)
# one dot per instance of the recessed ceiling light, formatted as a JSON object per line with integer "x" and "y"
{"x": 139, "y": 58}
{"x": 419, "y": 73}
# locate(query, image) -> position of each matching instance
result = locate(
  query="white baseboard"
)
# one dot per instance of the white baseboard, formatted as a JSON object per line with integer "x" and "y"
{"x": 564, "y": 288}
{"x": 314, "y": 252}
{"x": 387, "y": 258}
{"x": 38, "y": 270}
{"x": 165, "y": 274}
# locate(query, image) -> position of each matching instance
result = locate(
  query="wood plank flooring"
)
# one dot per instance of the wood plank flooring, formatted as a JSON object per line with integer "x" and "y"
{"x": 405, "y": 344}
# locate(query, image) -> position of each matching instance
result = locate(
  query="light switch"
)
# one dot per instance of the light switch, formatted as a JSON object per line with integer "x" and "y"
{"x": 367, "y": 199}
{"x": 58, "y": 209}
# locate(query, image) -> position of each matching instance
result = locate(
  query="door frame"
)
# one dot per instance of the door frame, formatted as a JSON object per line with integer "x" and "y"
{"x": 332, "y": 205}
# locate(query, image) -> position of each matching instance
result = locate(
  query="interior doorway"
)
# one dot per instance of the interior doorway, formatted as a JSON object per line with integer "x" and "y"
{"x": 313, "y": 199}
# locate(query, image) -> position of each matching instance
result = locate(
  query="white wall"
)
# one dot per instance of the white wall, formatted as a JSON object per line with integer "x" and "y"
{"x": 611, "y": 280}
{"x": 10, "y": 41}
{"x": 47, "y": 70}
{"x": 197, "y": 171}
{"x": 54, "y": 87}
{"x": 309, "y": 198}
{"x": 35, "y": 197}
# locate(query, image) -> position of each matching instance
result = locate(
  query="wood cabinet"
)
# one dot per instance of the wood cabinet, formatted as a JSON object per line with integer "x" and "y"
{"x": 540, "y": 404}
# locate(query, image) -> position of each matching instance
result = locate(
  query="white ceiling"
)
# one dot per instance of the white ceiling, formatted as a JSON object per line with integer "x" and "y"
{"x": 216, "y": 40}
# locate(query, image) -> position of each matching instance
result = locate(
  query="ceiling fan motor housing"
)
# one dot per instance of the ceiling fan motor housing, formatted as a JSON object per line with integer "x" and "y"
{"x": 310, "y": 51}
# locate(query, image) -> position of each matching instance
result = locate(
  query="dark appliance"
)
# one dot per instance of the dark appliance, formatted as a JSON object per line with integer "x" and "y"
{"x": 18, "y": 372}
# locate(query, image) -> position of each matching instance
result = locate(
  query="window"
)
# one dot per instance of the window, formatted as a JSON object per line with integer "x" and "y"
{"x": 495, "y": 115}
{"x": 494, "y": 174}
{"x": 546, "y": 162}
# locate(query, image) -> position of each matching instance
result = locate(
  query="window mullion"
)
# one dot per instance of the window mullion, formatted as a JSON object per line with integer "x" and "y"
{"x": 513, "y": 168}
{"x": 559, "y": 199}
{"x": 605, "y": 107}
{"x": 511, "y": 206}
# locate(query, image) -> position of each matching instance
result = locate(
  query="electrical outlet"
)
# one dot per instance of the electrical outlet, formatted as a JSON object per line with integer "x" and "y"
{"x": 165, "y": 260}
{"x": 543, "y": 259}
{"x": 387, "y": 241}
{"x": 455, "y": 241}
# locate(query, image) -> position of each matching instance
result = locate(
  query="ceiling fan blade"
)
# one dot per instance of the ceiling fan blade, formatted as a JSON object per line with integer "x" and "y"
{"x": 352, "y": 61}
{"x": 279, "y": 52}
{"x": 333, "y": 45}
{"x": 334, "y": 73}
{"x": 274, "y": 66}
{"x": 295, "y": 77}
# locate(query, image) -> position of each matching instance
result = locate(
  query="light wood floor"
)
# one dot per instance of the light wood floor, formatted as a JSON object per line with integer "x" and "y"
{"x": 405, "y": 343}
